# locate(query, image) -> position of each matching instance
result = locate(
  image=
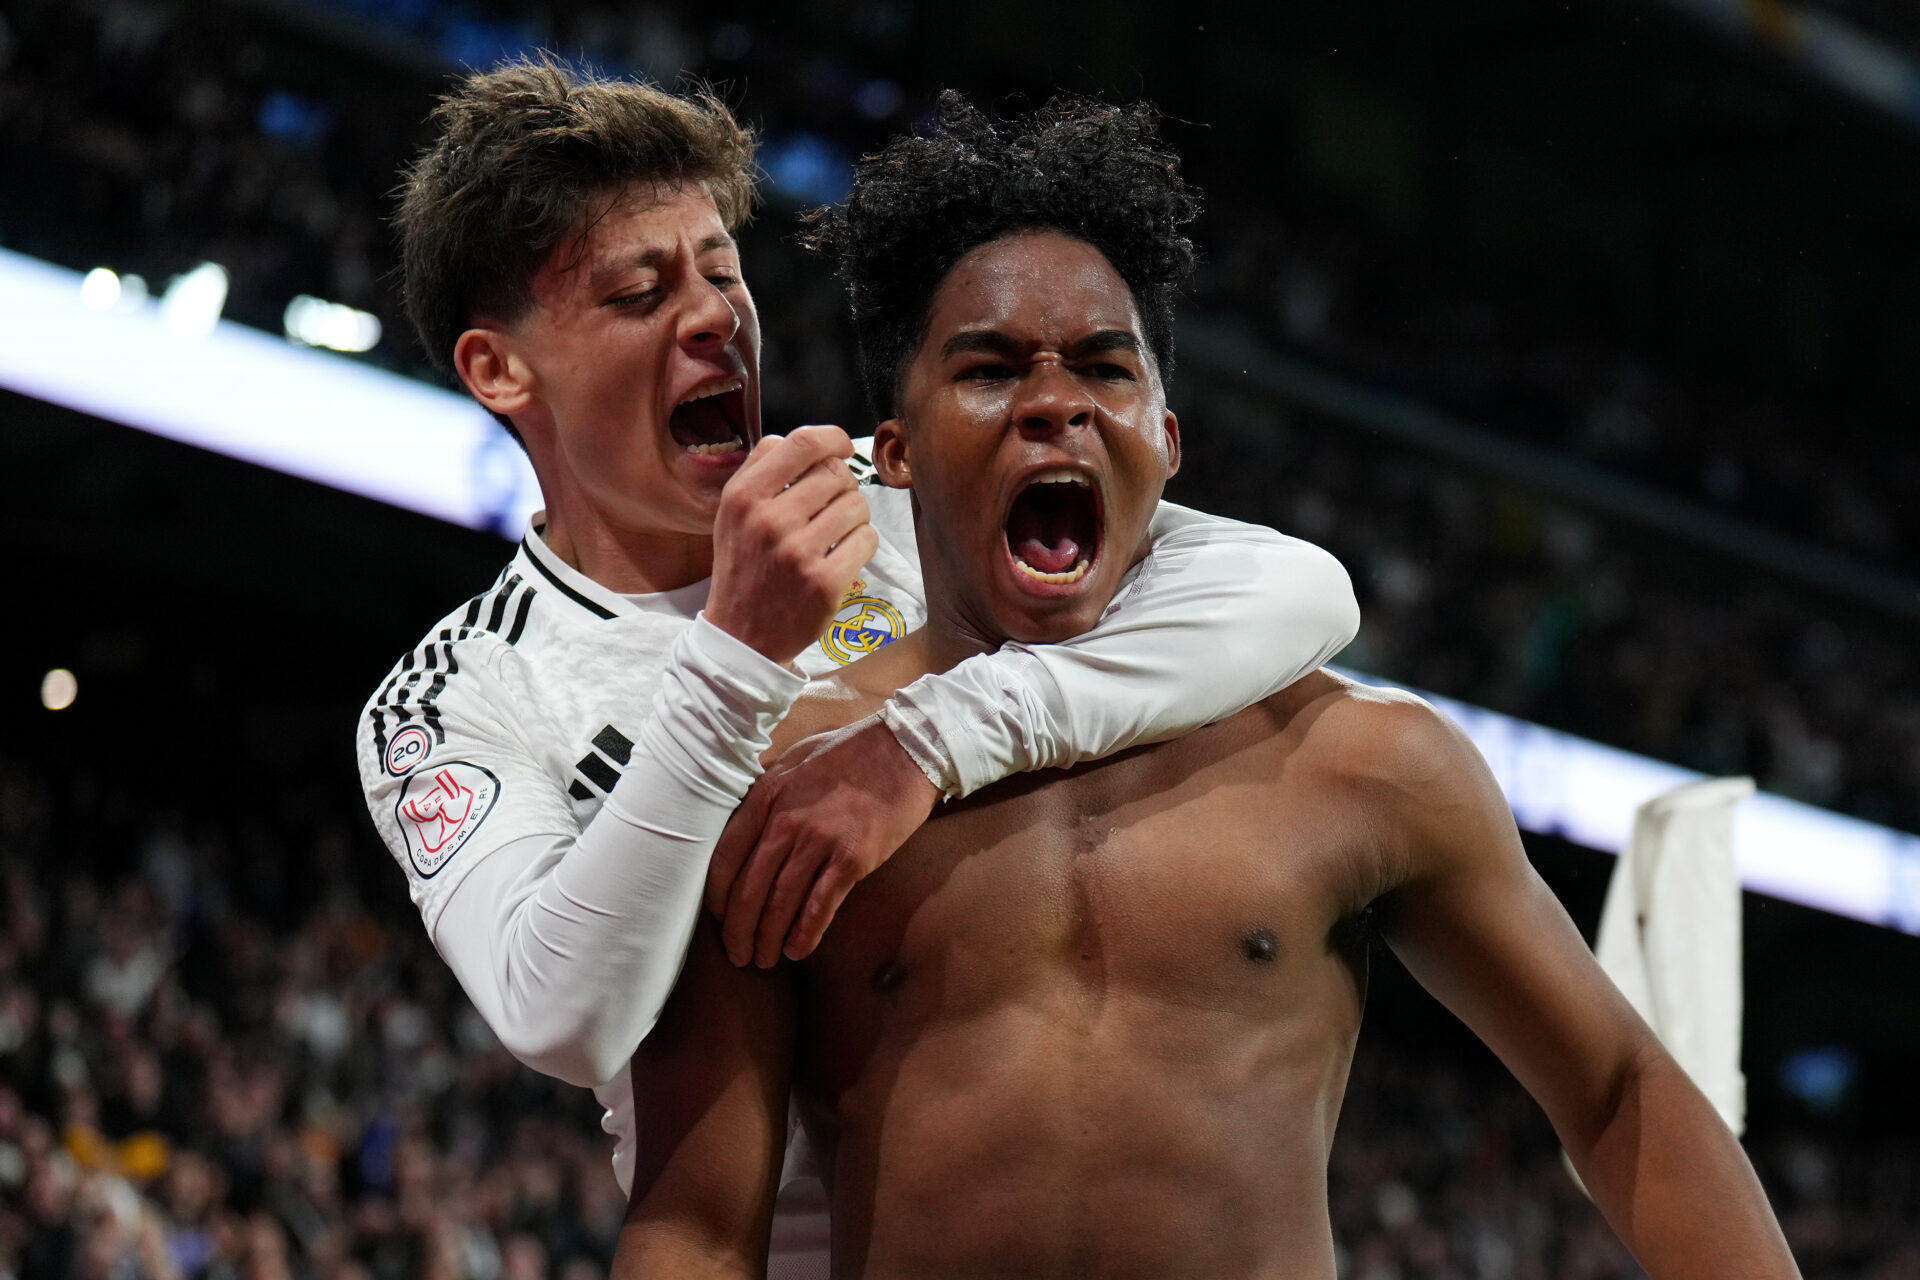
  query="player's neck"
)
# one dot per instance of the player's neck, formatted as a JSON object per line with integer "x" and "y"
{"x": 949, "y": 638}
{"x": 627, "y": 561}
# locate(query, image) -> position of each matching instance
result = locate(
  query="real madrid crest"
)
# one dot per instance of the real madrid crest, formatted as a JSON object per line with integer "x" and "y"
{"x": 863, "y": 624}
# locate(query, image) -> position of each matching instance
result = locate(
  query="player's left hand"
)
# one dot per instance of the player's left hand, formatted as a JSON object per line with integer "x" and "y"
{"x": 818, "y": 821}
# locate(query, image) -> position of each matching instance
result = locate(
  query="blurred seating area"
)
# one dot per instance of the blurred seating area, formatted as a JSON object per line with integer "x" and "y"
{"x": 1495, "y": 594}
{"x": 220, "y": 1057}
{"x": 150, "y": 137}
{"x": 227, "y": 1050}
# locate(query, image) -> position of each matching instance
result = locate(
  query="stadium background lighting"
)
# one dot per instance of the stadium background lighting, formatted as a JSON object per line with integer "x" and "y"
{"x": 337, "y": 421}
{"x": 193, "y": 301}
{"x": 315, "y": 322}
{"x": 58, "y": 689}
{"x": 99, "y": 290}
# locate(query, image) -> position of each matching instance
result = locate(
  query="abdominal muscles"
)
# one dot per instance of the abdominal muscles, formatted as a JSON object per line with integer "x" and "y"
{"x": 1053, "y": 1136}
{"x": 1099, "y": 1027}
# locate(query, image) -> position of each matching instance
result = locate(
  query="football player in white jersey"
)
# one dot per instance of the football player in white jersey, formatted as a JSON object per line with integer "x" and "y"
{"x": 553, "y": 765}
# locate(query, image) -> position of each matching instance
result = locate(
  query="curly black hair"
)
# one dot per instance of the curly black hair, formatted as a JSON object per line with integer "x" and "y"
{"x": 1097, "y": 172}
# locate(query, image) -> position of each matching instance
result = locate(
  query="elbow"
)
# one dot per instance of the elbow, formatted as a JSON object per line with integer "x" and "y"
{"x": 549, "y": 1051}
{"x": 1322, "y": 591}
{"x": 1343, "y": 608}
{"x": 1618, "y": 1097}
{"x": 581, "y": 1049}
{"x": 1305, "y": 599}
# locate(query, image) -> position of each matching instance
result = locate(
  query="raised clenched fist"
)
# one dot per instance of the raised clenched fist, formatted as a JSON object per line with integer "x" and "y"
{"x": 791, "y": 533}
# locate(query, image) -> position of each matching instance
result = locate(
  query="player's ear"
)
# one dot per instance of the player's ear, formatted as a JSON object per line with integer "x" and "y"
{"x": 1171, "y": 432}
{"x": 890, "y": 460}
{"x": 498, "y": 379}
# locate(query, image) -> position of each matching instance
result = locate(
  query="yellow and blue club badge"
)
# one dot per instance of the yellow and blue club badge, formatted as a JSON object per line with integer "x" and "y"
{"x": 862, "y": 624}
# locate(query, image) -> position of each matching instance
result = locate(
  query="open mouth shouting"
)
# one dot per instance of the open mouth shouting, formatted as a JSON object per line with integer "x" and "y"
{"x": 711, "y": 421}
{"x": 1053, "y": 529}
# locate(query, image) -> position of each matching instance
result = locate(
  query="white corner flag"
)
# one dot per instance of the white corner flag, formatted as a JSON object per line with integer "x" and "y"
{"x": 1670, "y": 934}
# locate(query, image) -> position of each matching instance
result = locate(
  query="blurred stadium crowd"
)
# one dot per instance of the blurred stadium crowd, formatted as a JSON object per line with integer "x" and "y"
{"x": 225, "y": 1057}
{"x": 159, "y": 142}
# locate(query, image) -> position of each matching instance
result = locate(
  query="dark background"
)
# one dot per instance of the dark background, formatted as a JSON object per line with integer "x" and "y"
{"x": 1620, "y": 246}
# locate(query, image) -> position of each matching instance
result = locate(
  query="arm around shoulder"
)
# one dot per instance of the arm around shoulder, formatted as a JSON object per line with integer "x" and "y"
{"x": 1218, "y": 616}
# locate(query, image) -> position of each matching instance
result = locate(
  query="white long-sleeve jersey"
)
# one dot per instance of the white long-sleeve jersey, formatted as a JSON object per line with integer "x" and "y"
{"x": 554, "y": 763}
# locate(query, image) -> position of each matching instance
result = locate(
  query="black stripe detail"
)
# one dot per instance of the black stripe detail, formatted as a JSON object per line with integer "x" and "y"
{"x": 379, "y": 720}
{"x": 566, "y": 590}
{"x": 500, "y": 599}
{"x": 428, "y": 660}
{"x": 579, "y": 790}
{"x": 598, "y": 771}
{"x": 520, "y": 618}
{"x": 436, "y": 658}
{"x": 614, "y": 745}
{"x": 429, "y": 704}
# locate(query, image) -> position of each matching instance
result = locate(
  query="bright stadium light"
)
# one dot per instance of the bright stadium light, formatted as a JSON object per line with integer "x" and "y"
{"x": 58, "y": 689}
{"x": 99, "y": 290}
{"x": 258, "y": 397}
{"x": 192, "y": 303}
{"x": 315, "y": 322}
{"x": 133, "y": 293}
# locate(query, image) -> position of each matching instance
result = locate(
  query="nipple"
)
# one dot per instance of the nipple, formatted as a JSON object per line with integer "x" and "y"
{"x": 1260, "y": 946}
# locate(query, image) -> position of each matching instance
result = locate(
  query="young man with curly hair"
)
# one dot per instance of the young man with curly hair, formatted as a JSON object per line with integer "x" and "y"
{"x": 554, "y": 765}
{"x": 1098, "y": 1022}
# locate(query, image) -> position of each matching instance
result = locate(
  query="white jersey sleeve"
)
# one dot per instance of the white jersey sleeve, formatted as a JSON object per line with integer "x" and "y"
{"x": 1218, "y": 615}
{"x": 566, "y": 935}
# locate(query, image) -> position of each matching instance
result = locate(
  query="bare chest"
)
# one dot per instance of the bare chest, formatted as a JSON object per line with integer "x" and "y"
{"x": 1216, "y": 889}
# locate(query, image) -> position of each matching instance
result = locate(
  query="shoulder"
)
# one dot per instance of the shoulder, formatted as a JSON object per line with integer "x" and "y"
{"x": 457, "y": 654}
{"x": 1372, "y": 736}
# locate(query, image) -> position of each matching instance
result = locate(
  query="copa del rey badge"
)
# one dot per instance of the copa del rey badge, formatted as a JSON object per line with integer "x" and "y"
{"x": 439, "y": 810}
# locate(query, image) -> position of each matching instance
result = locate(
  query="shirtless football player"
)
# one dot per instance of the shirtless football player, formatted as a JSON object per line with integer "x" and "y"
{"x": 1098, "y": 1022}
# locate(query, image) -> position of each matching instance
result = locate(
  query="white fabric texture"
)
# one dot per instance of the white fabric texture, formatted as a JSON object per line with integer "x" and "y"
{"x": 622, "y": 897}
{"x": 1670, "y": 935}
{"x": 1218, "y": 616}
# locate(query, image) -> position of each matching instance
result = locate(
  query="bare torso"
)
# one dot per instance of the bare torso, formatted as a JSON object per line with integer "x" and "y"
{"x": 1098, "y": 1022}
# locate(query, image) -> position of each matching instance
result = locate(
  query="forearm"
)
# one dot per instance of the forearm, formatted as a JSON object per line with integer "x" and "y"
{"x": 1674, "y": 1183}
{"x": 569, "y": 947}
{"x": 1218, "y": 616}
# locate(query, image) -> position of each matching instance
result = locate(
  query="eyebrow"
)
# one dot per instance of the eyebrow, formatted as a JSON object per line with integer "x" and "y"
{"x": 994, "y": 342}
{"x": 654, "y": 257}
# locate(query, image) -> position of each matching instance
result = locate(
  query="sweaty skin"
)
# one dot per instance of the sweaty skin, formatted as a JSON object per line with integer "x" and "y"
{"x": 1040, "y": 1038}
{"x": 1098, "y": 1022}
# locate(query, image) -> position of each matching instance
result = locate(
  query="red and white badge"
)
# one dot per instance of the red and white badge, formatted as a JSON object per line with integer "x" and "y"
{"x": 439, "y": 810}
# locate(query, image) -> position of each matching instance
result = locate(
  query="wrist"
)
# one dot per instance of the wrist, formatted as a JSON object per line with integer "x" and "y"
{"x": 915, "y": 739}
{"x": 900, "y": 780}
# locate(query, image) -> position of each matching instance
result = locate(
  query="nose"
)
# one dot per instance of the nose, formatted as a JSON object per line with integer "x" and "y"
{"x": 710, "y": 320}
{"x": 1052, "y": 399}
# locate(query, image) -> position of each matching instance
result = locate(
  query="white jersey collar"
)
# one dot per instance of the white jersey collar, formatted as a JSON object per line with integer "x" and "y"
{"x": 589, "y": 596}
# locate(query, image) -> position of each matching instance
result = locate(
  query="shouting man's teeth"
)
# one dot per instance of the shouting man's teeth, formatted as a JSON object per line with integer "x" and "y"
{"x": 708, "y": 422}
{"x": 717, "y": 389}
{"x": 1074, "y": 574}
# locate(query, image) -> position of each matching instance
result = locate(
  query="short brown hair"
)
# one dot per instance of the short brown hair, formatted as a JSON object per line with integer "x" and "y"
{"x": 523, "y": 154}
